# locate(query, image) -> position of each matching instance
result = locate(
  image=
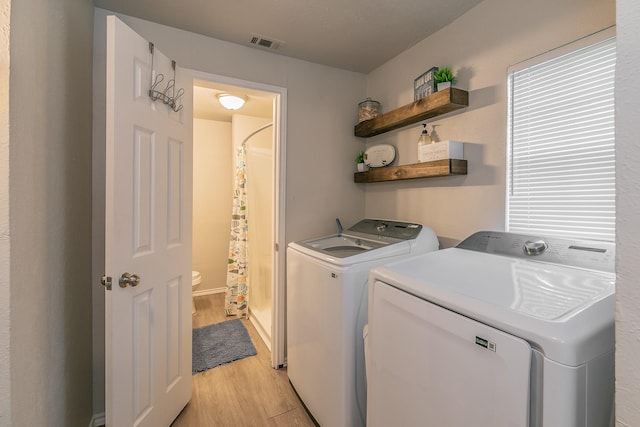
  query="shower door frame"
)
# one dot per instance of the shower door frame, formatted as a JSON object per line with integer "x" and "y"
{"x": 278, "y": 308}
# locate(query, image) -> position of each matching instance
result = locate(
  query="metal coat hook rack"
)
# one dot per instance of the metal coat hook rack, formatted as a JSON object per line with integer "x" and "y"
{"x": 168, "y": 96}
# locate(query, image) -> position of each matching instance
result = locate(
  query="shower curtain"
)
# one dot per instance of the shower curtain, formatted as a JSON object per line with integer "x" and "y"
{"x": 237, "y": 272}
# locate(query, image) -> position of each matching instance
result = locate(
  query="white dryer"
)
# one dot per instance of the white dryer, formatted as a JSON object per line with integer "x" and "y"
{"x": 503, "y": 330}
{"x": 327, "y": 310}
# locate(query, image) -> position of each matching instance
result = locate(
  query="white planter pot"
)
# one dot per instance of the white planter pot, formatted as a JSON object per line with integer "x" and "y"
{"x": 443, "y": 86}
{"x": 362, "y": 167}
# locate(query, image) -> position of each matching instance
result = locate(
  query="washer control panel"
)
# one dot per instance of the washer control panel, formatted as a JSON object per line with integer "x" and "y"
{"x": 589, "y": 254}
{"x": 387, "y": 229}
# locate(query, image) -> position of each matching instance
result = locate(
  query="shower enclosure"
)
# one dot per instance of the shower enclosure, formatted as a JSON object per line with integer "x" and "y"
{"x": 255, "y": 153}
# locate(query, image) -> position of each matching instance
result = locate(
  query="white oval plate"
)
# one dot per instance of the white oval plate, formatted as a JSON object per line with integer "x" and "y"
{"x": 379, "y": 155}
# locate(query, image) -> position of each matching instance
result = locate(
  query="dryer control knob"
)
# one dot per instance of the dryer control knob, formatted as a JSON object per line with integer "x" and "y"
{"x": 535, "y": 248}
{"x": 382, "y": 226}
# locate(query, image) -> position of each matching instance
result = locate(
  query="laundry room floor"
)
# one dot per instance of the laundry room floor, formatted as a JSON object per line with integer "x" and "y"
{"x": 247, "y": 392}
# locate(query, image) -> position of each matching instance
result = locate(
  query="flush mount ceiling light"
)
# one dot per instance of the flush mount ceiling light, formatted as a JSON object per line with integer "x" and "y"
{"x": 231, "y": 102}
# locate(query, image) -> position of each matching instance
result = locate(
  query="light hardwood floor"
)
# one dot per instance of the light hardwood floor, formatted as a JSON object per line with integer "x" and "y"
{"x": 247, "y": 392}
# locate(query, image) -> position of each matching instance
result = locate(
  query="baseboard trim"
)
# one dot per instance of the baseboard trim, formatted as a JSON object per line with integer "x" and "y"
{"x": 209, "y": 291}
{"x": 261, "y": 331}
{"x": 98, "y": 420}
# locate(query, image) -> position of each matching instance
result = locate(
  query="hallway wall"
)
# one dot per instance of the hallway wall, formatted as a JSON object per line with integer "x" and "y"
{"x": 212, "y": 184}
{"x": 49, "y": 212}
{"x": 5, "y": 249}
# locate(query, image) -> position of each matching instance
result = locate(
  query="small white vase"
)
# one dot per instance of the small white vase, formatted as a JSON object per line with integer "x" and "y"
{"x": 443, "y": 86}
{"x": 362, "y": 167}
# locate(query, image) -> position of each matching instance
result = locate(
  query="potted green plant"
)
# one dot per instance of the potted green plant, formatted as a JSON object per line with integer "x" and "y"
{"x": 360, "y": 162}
{"x": 444, "y": 78}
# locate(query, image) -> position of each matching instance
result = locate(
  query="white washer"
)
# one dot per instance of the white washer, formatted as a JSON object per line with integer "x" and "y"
{"x": 327, "y": 309}
{"x": 503, "y": 330}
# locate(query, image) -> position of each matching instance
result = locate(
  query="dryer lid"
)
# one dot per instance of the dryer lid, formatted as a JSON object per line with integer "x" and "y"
{"x": 565, "y": 312}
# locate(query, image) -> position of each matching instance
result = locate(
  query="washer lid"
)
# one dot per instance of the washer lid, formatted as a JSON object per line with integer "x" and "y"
{"x": 369, "y": 240}
{"x": 565, "y": 312}
{"x": 343, "y": 246}
{"x": 344, "y": 251}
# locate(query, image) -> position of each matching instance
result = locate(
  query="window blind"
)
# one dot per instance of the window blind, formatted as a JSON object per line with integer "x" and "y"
{"x": 561, "y": 145}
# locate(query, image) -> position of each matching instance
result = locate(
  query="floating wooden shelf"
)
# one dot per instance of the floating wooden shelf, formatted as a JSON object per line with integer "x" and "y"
{"x": 446, "y": 167}
{"x": 436, "y": 104}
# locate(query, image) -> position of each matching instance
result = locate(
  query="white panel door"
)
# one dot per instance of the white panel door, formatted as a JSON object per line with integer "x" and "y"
{"x": 148, "y": 233}
{"x": 434, "y": 367}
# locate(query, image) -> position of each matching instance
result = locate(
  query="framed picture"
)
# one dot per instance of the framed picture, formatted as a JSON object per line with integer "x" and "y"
{"x": 424, "y": 84}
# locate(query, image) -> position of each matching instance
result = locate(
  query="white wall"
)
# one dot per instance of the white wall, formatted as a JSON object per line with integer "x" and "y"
{"x": 479, "y": 46}
{"x": 212, "y": 182}
{"x": 628, "y": 212}
{"x": 5, "y": 294}
{"x": 320, "y": 146}
{"x": 49, "y": 191}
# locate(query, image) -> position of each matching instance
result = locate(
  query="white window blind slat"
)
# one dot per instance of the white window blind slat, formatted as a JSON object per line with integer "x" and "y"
{"x": 575, "y": 147}
{"x": 561, "y": 144}
{"x": 565, "y": 166}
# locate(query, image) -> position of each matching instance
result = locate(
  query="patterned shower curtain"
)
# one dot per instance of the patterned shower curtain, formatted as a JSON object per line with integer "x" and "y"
{"x": 237, "y": 272}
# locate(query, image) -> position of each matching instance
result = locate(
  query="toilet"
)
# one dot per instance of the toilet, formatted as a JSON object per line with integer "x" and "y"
{"x": 195, "y": 281}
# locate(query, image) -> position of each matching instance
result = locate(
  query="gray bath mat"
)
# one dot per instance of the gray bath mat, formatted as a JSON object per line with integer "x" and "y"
{"x": 220, "y": 343}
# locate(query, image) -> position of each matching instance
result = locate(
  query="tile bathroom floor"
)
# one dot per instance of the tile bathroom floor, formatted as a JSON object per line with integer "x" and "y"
{"x": 247, "y": 392}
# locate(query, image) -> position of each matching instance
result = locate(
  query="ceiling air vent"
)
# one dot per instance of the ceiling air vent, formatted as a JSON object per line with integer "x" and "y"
{"x": 265, "y": 42}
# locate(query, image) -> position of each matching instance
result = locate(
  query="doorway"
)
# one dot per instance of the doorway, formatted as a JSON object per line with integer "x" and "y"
{"x": 218, "y": 133}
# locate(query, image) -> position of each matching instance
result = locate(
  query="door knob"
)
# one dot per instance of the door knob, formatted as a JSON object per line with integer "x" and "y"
{"x": 129, "y": 279}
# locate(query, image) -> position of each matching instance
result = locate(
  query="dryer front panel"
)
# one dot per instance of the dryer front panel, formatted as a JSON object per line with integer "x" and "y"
{"x": 431, "y": 366}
